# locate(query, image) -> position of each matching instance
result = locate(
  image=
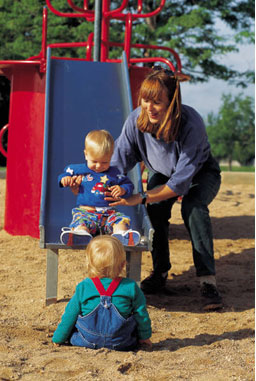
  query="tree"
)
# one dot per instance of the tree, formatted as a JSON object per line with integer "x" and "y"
{"x": 21, "y": 28}
{"x": 231, "y": 131}
{"x": 188, "y": 26}
{"x": 245, "y": 147}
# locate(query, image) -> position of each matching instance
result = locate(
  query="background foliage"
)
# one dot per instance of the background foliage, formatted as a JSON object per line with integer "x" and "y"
{"x": 188, "y": 26}
{"x": 231, "y": 132}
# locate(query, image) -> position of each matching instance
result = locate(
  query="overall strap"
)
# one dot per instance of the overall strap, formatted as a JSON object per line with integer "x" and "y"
{"x": 111, "y": 288}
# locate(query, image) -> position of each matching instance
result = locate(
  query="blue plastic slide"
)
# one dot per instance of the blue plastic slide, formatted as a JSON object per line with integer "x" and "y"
{"x": 82, "y": 96}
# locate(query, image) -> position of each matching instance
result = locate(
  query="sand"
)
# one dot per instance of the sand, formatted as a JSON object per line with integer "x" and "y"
{"x": 188, "y": 344}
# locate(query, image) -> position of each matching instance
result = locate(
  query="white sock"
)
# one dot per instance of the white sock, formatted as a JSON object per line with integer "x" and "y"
{"x": 119, "y": 231}
{"x": 123, "y": 231}
{"x": 81, "y": 231}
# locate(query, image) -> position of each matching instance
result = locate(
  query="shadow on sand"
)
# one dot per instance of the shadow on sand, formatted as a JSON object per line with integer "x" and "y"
{"x": 203, "y": 339}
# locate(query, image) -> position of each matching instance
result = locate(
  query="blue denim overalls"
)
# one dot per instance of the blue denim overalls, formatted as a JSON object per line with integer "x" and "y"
{"x": 104, "y": 327}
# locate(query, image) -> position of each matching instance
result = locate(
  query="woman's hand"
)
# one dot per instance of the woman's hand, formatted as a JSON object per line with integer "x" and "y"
{"x": 135, "y": 199}
{"x": 163, "y": 192}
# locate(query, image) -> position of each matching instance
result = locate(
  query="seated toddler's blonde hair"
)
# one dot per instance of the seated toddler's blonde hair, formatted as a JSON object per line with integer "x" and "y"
{"x": 99, "y": 142}
{"x": 105, "y": 257}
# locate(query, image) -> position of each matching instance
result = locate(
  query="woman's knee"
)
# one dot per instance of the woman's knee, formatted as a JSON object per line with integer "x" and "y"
{"x": 192, "y": 210}
{"x": 158, "y": 214}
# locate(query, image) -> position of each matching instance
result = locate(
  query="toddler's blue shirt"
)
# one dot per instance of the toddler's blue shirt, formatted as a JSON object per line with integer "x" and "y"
{"x": 93, "y": 186}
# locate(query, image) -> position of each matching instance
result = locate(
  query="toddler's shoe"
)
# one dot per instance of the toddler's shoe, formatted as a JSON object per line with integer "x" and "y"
{"x": 128, "y": 237}
{"x": 71, "y": 237}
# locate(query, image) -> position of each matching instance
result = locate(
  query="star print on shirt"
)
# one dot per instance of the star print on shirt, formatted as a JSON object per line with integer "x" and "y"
{"x": 104, "y": 179}
{"x": 69, "y": 170}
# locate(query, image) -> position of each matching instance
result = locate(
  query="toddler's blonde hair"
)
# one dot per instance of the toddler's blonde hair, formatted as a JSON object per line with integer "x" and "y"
{"x": 105, "y": 257}
{"x": 99, "y": 142}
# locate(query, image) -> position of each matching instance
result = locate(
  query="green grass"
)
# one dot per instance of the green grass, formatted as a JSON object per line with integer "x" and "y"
{"x": 225, "y": 168}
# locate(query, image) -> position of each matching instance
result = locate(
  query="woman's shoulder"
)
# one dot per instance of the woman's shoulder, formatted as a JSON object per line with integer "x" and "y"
{"x": 136, "y": 111}
{"x": 189, "y": 114}
{"x": 133, "y": 116}
{"x": 130, "y": 129}
{"x": 191, "y": 123}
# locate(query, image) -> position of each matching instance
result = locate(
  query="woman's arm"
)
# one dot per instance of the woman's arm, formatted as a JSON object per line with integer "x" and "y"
{"x": 163, "y": 192}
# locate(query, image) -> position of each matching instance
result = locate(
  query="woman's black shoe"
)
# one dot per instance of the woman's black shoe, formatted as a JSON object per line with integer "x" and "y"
{"x": 154, "y": 283}
{"x": 211, "y": 297}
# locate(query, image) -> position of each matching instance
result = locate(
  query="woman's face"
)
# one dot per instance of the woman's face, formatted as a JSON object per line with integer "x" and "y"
{"x": 156, "y": 109}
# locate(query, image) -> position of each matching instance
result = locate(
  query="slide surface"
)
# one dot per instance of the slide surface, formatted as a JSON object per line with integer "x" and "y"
{"x": 81, "y": 96}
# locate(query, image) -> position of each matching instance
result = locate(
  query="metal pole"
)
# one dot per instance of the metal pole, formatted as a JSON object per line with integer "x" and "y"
{"x": 97, "y": 30}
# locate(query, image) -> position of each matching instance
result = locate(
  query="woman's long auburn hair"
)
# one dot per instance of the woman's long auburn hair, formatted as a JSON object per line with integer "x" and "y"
{"x": 157, "y": 82}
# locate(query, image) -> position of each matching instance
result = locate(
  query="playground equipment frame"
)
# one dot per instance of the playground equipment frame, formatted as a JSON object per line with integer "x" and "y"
{"x": 28, "y": 93}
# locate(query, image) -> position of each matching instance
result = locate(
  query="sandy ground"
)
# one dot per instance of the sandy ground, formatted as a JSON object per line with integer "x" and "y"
{"x": 188, "y": 344}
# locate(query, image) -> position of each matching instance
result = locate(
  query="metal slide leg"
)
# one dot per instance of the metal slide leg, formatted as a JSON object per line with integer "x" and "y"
{"x": 51, "y": 276}
{"x": 133, "y": 265}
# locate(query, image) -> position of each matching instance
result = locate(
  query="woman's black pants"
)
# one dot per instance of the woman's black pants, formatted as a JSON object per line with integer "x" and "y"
{"x": 195, "y": 213}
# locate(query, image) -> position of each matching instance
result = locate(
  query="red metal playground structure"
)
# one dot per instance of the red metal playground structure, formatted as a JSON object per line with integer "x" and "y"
{"x": 29, "y": 102}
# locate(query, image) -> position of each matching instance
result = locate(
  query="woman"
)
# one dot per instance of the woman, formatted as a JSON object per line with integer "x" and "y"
{"x": 171, "y": 140}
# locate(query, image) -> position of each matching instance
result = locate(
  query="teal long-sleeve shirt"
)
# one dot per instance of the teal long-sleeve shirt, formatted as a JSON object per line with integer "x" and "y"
{"x": 128, "y": 299}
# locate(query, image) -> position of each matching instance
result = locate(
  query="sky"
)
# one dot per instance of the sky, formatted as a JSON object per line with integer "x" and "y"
{"x": 206, "y": 97}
